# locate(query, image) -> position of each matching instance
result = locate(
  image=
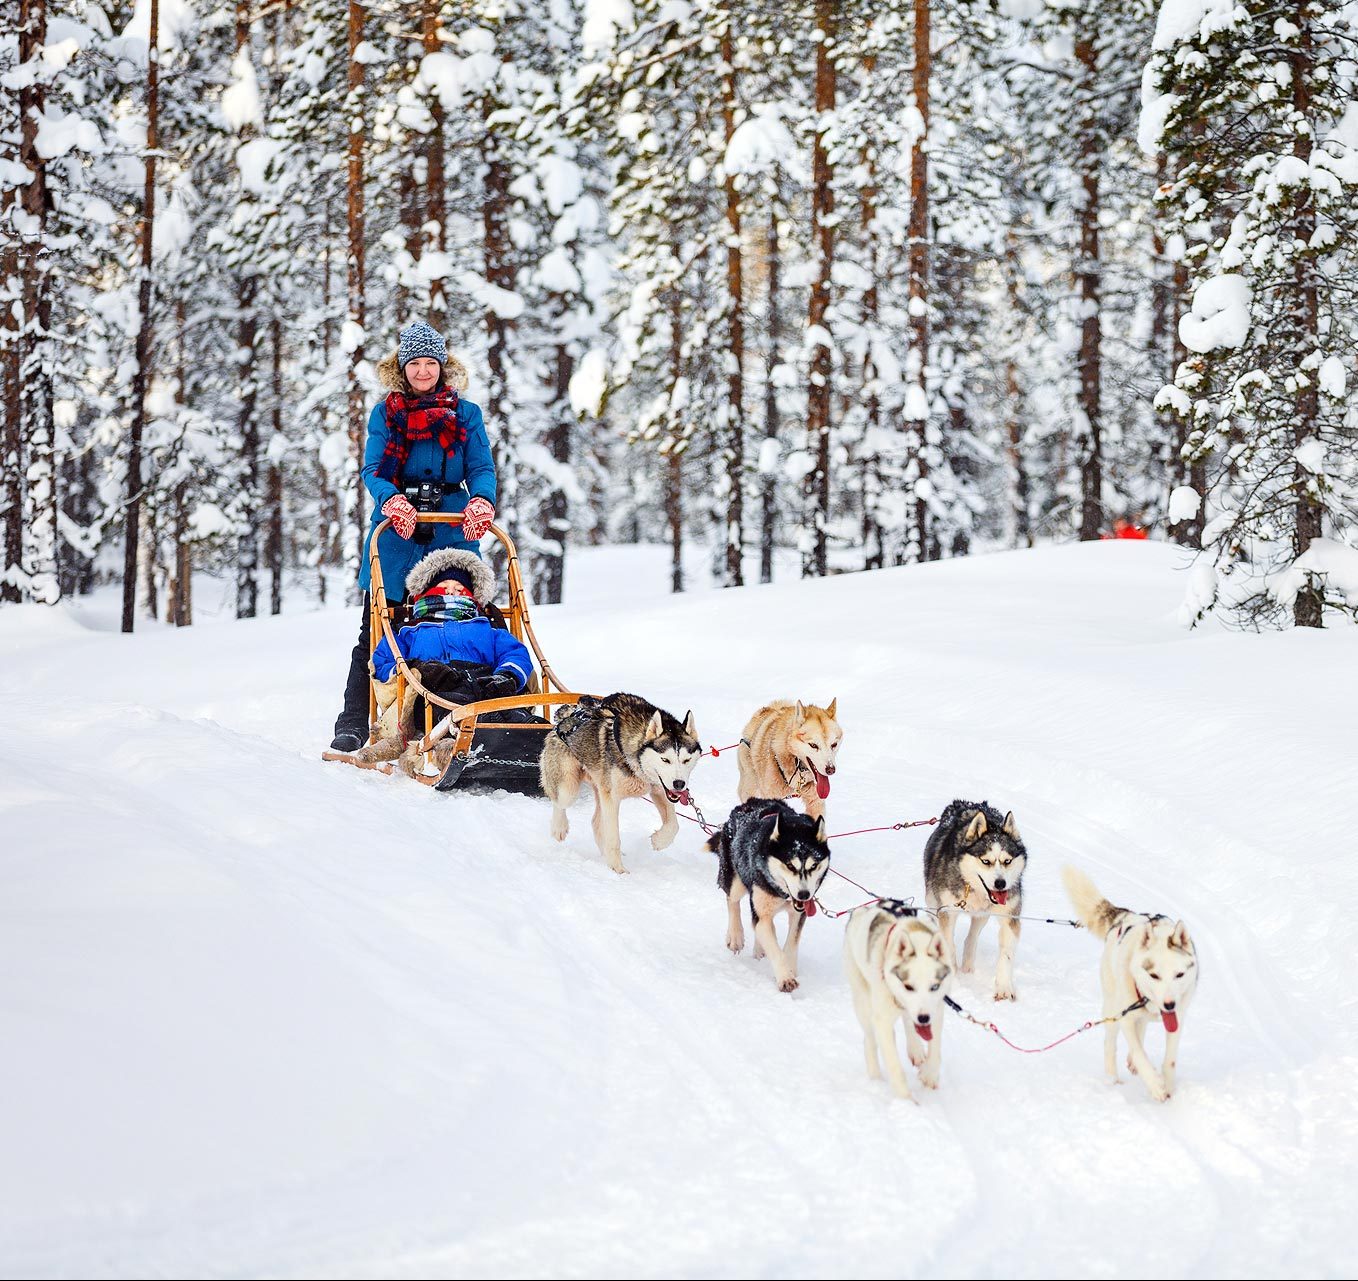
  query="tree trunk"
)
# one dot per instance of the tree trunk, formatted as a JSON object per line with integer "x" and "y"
{"x": 356, "y": 274}
{"x": 873, "y": 557}
{"x": 814, "y": 558}
{"x": 1308, "y": 608}
{"x": 674, "y": 472}
{"x": 499, "y": 271}
{"x": 142, "y": 373}
{"x": 555, "y": 511}
{"x": 12, "y": 468}
{"x": 1088, "y": 271}
{"x": 435, "y": 205}
{"x": 273, "y": 547}
{"x": 769, "y": 514}
{"x": 735, "y": 357}
{"x": 917, "y": 363}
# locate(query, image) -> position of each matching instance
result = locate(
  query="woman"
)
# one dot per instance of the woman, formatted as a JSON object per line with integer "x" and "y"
{"x": 428, "y": 444}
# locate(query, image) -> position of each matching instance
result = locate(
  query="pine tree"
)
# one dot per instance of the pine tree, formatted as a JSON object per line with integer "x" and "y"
{"x": 1253, "y": 107}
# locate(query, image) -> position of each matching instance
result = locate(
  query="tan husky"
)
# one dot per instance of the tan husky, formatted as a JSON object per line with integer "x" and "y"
{"x": 788, "y": 749}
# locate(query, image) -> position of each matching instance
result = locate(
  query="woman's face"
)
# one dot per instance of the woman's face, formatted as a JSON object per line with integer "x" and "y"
{"x": 422, "y": 373}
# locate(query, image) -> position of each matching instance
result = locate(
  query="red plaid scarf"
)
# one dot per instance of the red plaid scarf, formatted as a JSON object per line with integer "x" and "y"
{"x": 428, "y": 417}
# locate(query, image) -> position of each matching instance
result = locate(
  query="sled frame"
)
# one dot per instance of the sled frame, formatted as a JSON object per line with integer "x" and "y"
{"x": 461, "y": 719}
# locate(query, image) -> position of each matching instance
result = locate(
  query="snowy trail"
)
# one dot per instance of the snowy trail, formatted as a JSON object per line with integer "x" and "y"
{"x": 270, "y": 1016}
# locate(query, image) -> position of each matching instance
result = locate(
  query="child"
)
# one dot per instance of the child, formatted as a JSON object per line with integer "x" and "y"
{"x": 448, "y": 590}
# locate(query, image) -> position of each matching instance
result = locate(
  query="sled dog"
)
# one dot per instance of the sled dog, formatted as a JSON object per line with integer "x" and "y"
{"x": 779, "y": 858}
{"x": 898, "y": 967}
{"x": 1145, "y": 958}
{"x": 621, "y": 746}
{"x": 788, "y": 749}
{"x": 974, "y": 862}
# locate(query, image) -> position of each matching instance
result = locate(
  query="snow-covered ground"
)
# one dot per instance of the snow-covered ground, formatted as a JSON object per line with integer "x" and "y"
{"x": 263, "y": 1015}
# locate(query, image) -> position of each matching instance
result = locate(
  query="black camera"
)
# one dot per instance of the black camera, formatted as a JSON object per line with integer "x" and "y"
{"x": 427, "y": 496}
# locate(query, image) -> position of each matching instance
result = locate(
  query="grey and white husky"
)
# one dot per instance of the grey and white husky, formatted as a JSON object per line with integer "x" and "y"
{"x": 622, "y": 746}
{"x": 779, "y": 858}
{"x": 898, "y": 968}
{"x": 1148, "y": 959}
{"x": 974, "y": 862}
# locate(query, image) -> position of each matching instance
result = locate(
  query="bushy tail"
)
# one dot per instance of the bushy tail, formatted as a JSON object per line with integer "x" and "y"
{"x": 713, "y": 842}
{"x": 1096, "y": 913}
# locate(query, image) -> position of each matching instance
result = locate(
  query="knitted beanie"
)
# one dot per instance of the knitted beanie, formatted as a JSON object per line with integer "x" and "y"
{"x": 419, "y": 340}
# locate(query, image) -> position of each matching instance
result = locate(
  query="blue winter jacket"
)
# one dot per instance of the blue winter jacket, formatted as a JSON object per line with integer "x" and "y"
{"x": 470, "y": 466}
{"x": 474, "y": 641}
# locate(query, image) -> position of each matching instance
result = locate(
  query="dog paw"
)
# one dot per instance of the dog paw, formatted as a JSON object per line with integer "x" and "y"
{"x": 965, "y": 968}
{"x": 1157, "y": 1089}
{"x": 615, "y": 865}
{"x": 735, "y": 943}
{"x": 1005, "y": 993}
{"x": 788, "y": 984}
{"x": 663, "y": 838}
{"x": 918, "y": 1058}
{"x": 758, "y": 951}
{"x": 902, "y": 1091}
{"x": 1131, "y": 1067}
{"x": 928, "y": 1077}
{"x": 560, "y": 828}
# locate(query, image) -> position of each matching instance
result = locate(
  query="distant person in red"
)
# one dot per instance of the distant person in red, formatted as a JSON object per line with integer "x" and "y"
{"x": 1126, "y": 529}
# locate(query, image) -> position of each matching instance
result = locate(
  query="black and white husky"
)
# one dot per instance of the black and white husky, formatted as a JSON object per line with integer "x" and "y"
{"x": 779, "y": 858}
{"x": 974, "y": 862}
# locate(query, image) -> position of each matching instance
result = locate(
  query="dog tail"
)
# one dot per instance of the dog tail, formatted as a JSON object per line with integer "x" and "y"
{"x": 713, "y": 842}
{"x": 1096, "y": 913}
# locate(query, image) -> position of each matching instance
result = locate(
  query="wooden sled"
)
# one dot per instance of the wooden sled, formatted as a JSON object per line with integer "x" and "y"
{"x": 491, "y": 743}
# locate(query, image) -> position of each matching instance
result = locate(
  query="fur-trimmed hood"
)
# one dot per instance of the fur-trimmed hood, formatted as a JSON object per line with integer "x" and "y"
{"x": 433, "y": 567}
{"x": 454, "y": 373}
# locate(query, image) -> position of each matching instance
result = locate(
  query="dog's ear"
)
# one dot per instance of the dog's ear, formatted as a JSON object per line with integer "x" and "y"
{"x": 821, "y": 835}
{"x": 688, "y": 725}
{"x": 1010, "y": 828}
{"x": 801, "y": 711}
{"x": 830, "y": 711}
{"x": 1179, "y": 937}
{"x": 936, "y": 947}
{"x": 773, "y": 832}
{"x": 656, "y": 726}
{"x": 975, "y": 829}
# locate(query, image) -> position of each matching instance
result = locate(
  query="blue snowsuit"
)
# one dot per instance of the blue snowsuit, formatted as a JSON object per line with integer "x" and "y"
{"x": 470, "y": 466}
{"x": 475, "y": 641}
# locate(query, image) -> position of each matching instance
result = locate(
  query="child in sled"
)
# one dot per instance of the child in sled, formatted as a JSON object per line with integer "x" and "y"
{"x": 451, "y": 644}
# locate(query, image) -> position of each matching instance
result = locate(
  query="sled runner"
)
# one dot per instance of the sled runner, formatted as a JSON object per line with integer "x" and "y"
{"x": 492, "y": 743}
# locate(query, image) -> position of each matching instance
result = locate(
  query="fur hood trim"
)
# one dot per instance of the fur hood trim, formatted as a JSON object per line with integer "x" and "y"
{"x": 454, "y": 373}
{"x": 434, "y": 566}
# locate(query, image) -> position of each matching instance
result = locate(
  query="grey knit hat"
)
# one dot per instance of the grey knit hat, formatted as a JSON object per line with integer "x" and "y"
{"x": 421, "y": 340}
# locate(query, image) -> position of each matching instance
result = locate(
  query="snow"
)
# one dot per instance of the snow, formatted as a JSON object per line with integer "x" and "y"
{"x": 1187, "y": 20}
{"x": 352, "y": 335}
{"x": 1220, "y": 315}
{"x": 174, "y": 19}
{"x": 1333, "y": 377}
{"x": 270, "y": 1016}
{"x": 761, "y": 144}
{"x": 59, "y": 133}
{"x": 1184, "y": 503}
{"x": 253, "y": 159}
{"x": 1327, "y": 559}
{"x": 504, "y": 303}
{"x": 604, "y": 20}
{"x": 589, "y": 382}
{"x": 240, "y": 99}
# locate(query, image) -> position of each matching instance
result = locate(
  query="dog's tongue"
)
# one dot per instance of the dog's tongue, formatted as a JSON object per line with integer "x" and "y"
{"x": 925, "y": 1031}
{"x": 681, "y": 797}
{"x": 822, "y": 783}
{"x": 810, "y": 907}
{"x": 1170, "y": 1018}
{"x": 1001, "y": 896}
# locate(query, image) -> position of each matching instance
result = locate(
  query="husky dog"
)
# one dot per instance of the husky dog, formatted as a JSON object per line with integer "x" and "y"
{"x": 622, "y": 746}
{"x": 788, "y": 749}
{"x": 1145, "y": 958}
{"x": 974, "y": 862}
{"x": 897, "y": 966}
{"x": 779, "y": 858}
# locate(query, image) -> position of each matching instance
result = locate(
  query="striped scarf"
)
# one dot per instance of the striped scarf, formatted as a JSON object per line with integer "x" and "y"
{"x": 429, "y": 417}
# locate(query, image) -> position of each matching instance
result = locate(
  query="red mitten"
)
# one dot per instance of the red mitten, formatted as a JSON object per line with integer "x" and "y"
{"x": 401, "y": 512}
{"x": 476, "y": 518}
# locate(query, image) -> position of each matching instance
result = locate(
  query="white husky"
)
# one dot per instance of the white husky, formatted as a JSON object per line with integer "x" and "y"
{"x": 896, "y": 967}
{"x": 1149, "y": 962}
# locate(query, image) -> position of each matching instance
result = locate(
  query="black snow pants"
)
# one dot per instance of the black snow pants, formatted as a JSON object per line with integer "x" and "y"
{"x": 354, "y": 718}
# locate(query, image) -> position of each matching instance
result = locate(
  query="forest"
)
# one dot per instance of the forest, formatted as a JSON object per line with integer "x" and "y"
{"x": 869, "y": 284}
